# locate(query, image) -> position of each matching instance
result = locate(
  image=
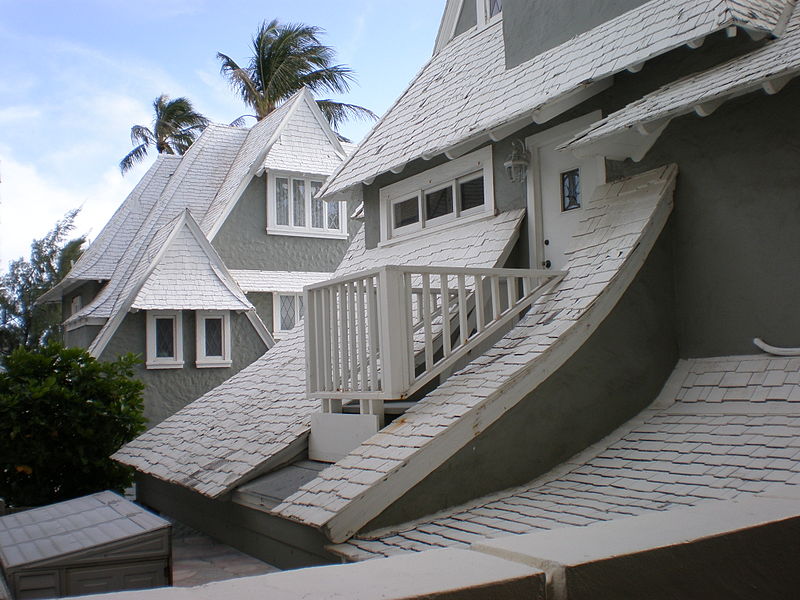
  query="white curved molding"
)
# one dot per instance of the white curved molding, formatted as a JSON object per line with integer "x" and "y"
{"x": 775, "y": 349}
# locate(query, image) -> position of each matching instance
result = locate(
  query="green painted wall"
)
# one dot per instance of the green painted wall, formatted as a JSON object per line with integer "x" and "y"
{"x": 243, "y": 243}
{"x": 169, "y": 390}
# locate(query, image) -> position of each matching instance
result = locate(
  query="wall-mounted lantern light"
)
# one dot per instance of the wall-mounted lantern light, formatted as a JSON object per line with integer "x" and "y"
{"x": 517, "y": 163}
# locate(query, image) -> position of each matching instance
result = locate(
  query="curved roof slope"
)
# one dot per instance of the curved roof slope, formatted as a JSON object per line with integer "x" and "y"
{"x": 617, "y": 230}
{"x": 465, "y": 91}
{"x": 636, "y": 127}
{"x": 724, "y": 427}
{"x": 260, "y": 417}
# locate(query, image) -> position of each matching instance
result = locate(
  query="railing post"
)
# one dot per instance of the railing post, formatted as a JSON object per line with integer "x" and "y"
{"x": 393, "y": 309}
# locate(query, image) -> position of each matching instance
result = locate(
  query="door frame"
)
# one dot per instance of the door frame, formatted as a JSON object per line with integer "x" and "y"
{"x": 534, "y": 180}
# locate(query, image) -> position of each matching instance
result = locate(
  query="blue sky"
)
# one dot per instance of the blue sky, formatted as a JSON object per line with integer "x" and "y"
{"x": 76, "y": 75}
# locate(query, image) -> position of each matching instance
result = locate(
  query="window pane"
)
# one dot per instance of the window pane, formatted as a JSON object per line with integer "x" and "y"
{"x": 570, "y": 190}
{"x": 165, "y": 340}
{"x": 406, "y": 213}
{"x": 317, "y": 207}
{"x": 439, "y": 203}
{"x": 300, "y": 307}
{"x": 213, "y": 337}
{"x": 299, "y": 202}
{"x": 287, "y": 312}
{"x": 333, "y": 215}
{"x": 281, "y": 201}
{"x": 471, "y": 193}
{"x": 495, "y": 6}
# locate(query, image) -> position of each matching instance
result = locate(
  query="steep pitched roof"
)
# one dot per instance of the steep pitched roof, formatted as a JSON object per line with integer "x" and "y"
{"x": 632, "y": 130}
{"x": 617, "y": 230}
{"x": 277, "y": 281}
{"x": 464, "y": 96}
{"x": 260, "y": 418}
{"x": 723, "y": 427}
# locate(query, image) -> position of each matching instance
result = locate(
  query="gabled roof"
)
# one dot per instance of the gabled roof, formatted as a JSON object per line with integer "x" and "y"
{"x": 631, "y": 131}
{"x": 723, "y": 427}
{"x": 464, "y": 96}
{"x": 277, "y": 281}
{"x": 617, "y": 230}
{"x": 260, "y": 418}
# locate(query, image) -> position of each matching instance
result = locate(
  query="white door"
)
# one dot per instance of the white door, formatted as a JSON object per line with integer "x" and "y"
{"x": 559, "y": 187}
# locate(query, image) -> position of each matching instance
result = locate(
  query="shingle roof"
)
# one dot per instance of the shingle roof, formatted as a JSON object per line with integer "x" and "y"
{"x": 618, "y": 228}
{"x": 34, "y": 536}
{"x": 251, "y": 422}
{"x": 731, "y": 426}
{"x": 277, "y": 281}
{"x": 776, "y": 62}
{"x": 465, "y": 90}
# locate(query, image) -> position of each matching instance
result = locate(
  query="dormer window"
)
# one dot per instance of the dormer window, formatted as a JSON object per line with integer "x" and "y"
{"x": 293, "y": 210}
{"x": 213, "y": 339}
{"x": 495, "y": 6}
{"x": 449, "y": 194}
{"x": 164, "y": 340}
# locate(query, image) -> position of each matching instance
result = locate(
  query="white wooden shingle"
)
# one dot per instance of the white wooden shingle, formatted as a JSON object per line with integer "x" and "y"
{"x": 683, "y": 453}
{"x": 627, "y": 217}
{"x": 277, "y": 281}
{"x": 465, "y": 90}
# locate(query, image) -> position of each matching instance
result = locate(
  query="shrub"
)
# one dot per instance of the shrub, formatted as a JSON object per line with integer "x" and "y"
{"x": 62, "y": 414}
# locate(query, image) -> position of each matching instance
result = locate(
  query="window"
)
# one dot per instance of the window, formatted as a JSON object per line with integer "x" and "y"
{"x": 213, "y": 335}
{"x": 495, "y": 6}
{"x": 164, "y": 340}
{"x": 292, "y": 208}
{"x": 570, "y": 190}
{"x": 287, "y": 311}
{"x": 459, "y": 189}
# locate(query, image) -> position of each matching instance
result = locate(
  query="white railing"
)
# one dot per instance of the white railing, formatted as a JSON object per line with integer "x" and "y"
{"x": 384, "y": 333}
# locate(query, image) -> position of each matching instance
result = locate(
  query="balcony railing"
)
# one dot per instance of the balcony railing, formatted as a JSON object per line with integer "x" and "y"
{"x": 382, "y": 334}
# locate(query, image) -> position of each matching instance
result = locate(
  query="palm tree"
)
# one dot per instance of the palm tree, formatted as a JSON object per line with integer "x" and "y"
{"x": 285, "y": 59}
{"x": 175, "y": 126}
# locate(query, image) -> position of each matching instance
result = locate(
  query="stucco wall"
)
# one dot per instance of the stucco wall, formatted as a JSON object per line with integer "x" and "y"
{"x": 169, "y": 390}
{"x": 243, "y": 243}
{"x": 87, "y": 291}
{"x": 263, "y": 305}
{"x": 615, "y": 374}
{"x": 82, "y": 337}
{"x": 533, "y": 26}
{"x": 468, "y": 17}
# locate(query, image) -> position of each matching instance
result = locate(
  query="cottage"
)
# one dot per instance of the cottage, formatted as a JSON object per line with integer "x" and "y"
{"x": 577, "y": 218}
{"x": 203, "y": 265}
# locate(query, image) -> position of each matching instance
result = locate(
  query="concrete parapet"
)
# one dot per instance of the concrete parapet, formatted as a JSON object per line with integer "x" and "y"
{"x": 746, "y": 548}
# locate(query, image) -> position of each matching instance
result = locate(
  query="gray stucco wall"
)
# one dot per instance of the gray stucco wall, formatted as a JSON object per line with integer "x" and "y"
{"x": 243, "y": 243}
{"x": 279, "y": 542}
{"x": 169, "y": 390}
{"x": 468, "y": 17}
{"x": 82, "y": 337}
{"x": 87, "y": 291}
{"x": 615, "y": 374}
{"x": 532, "y": 26}
{"x": 263, "y": 305}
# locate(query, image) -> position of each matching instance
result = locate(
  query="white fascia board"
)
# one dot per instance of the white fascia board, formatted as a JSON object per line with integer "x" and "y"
{"x": 633, "y": 143}
{"x": 558, "y": 106}
{"x": 260, "y": 328}
{"x": 360, "y": 511}
{"x": 447, "y": 26}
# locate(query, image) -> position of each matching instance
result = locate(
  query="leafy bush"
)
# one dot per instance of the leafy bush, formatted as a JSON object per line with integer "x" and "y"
{"x": 62, "y": 414}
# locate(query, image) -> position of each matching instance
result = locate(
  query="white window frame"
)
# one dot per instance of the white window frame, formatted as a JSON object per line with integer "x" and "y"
{"x": 464, "y": 168}
{"x": 482, "y": 10}
{"x": 302, "y": 230}
{"x": 203, "y": 361}
{"x": 276, "y": 311}
{"x": 164, "y": 362}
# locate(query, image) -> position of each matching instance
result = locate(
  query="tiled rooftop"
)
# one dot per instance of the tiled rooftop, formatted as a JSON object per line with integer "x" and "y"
{"x": 465, "y": 90}
{"x": 723, "y": 427}
{"x": 277, "y": 281}
{"x": 621, "y": 221}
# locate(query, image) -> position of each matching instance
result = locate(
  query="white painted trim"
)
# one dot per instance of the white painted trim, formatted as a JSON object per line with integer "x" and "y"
{"x": 482, "y": 12}
{"x": 84, "y": 322}
{"x": 276, "y": 311}
{"x": 202, "y": 361}
{"x": 172, "y": 362}
{"x": 432, "y": 179}
{"x": 533, "y": 181}
{"x": 775, "y": 350}
{"x": 273, "y": 228}
{"x": 447, "y": 26}
{"x": 360, "y": 511}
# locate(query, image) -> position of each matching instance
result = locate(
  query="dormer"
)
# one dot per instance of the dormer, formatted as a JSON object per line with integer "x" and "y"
{"x": 461, "y": 16}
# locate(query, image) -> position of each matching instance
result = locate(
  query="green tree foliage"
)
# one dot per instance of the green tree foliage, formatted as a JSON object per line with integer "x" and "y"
{"x": 285, "y": 59}
{"x": 176, "y": 125}
{"x": 62, "y": 414}
{"x": 22, "y": 322}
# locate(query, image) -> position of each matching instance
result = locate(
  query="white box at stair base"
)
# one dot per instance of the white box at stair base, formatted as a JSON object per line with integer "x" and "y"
{"x": 335, "y": 435}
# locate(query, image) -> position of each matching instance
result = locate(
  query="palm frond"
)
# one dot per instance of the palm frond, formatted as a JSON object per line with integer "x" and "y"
{"x": 133, "y": 157}
{"x": 339, "y": 112}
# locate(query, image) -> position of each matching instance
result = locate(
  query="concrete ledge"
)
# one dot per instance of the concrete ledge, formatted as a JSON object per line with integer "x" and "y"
{"x": 740, "y": 549}
{"x": 446, "y": 574}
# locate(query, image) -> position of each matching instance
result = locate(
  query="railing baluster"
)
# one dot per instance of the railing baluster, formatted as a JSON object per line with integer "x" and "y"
{"x": 462, "y": 310}
{"x": 480, "y": 304}
{"x": 334, "y": 324}
{"x": 312, "y": 360}
{"x": 445, "y": 304}
{"x": 374, "y": 334}
{"x": 408, "y": 296}
{"x": 363, "y": 360}
{"x": 426, "y": 315}
{"x": 344, "y": 337}
{"x": 511, "y": 291}
{"x": 326, "y": 337}
{"x": 495, "y": 286}
{"x": 353, "y": 337}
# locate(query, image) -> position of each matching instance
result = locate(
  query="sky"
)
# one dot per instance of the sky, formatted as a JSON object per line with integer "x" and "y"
{"x": 76, "y": 75}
